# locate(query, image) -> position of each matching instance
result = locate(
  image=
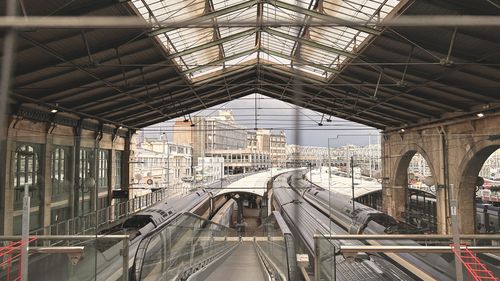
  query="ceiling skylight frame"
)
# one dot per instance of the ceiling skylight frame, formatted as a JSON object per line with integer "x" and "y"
{"x": 320, "y": 50}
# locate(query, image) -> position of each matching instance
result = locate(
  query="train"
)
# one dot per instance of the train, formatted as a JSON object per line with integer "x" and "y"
{"x": 105, "y": 260}
{"x": 487, "y": 214}
{"x": 225, "y": 213}
{"x": 365, "y": 220}
{"x": 305, "y": 221}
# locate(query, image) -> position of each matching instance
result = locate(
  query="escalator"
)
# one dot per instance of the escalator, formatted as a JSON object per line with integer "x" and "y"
{"x": 242, "y": 264}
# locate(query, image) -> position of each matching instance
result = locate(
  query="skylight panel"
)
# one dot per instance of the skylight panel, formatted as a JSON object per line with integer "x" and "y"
{"x": 204, "y": 56}
{"x": 221, "y": 4}
{"x": 273, "y": 13}
{"x": 311, "y": 70}
{"x": 319, "y": 50}
{"x": 248, "y": 14}
{"x": 228, "y": 31}
{"x": 275, "y": 60}
{"x": 239, "y": 45}
{"x": 185, "y": 38}
{"x": 276, "y": 43}
{"x": 242, "y": 59}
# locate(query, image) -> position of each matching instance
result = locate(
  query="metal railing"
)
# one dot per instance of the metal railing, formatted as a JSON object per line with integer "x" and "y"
{"x": 106, "y": 217}
{"x": 274, "y": 243}
{"x": 106, "y": 257}
{"x": 325, "y": 248}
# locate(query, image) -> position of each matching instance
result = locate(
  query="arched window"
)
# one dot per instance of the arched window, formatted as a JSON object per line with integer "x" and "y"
{"x": 26, "y": 172}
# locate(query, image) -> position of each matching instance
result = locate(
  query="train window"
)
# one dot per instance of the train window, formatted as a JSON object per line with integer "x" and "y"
{"x": 137, "y": 221}
{"x": 384, "y": 220}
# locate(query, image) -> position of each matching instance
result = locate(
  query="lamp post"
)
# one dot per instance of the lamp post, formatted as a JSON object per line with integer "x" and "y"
{"x": 352, "y": 177}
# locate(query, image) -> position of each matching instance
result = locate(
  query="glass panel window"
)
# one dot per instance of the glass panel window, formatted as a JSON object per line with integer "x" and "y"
{"x": 102, "y": 179}
{"x": 87, "y": 167}
{"x": 118, "y": 169}
{"x": 27, "y": 172}
{"x": 60, "y": 170}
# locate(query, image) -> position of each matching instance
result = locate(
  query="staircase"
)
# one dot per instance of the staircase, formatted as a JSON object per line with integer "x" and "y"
{"x": 476, "y": 270}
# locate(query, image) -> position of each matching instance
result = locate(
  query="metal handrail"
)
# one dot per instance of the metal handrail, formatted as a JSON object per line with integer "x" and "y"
{"x": 105, "y": 216}
{"x": 406, "y": 236}
{"x": 413, "y": 249}
{"x": 76, "y": 252}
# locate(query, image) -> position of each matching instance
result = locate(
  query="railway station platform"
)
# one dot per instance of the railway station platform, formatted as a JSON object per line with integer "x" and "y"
{"x": 294, "y": 242}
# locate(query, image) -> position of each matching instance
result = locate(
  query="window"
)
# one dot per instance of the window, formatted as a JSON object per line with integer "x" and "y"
{"x": 27, "y": 171}
{"x": 60, "y": 168}
{"x": 87, "y": 166}
{"x": 103, "y": 169}
{"x": 118, "y": 169}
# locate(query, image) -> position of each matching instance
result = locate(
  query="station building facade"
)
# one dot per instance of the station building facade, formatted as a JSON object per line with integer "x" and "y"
{"x": 70, "y": 166}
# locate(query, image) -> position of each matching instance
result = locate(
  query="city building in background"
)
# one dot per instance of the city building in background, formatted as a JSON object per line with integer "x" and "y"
{"x": 209, "y": 169}
{"x": 159, "y": 163}
{"x": 273, "y": 143}
{"x": 206, "y": 134}
{"x": 238, "y": 161}
{"x": 301, "y": 156}
{"x": 491, "y": 167}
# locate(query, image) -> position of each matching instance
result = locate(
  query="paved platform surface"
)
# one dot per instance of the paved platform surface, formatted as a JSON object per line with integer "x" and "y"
{"x": 242, "y": 265}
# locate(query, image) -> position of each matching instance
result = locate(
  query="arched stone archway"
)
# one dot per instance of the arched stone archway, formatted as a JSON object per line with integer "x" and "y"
{"x": 455, "y": 153}
{"x": 400, "y": 177}
{"x": 469, "y": 169}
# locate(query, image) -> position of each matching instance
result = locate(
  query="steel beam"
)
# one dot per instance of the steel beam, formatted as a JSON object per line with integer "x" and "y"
{"x": 194, "y": 69}
{"x": 413, "y": 249}
{"x": 320, "y": 16}
{"x": 407, "y": 236}
{"x": 337, "y": 112}
{"x": 346, "y": 106}
{"x": 178, "y": 105}
{"x": 213, "y": 43}
{"x": 309, "y": 43}
{"x": 154, "y": 119}
{"x": 206, "y": 17}
{"x": 53, "y": 53}
{"x": 299, "y": 61}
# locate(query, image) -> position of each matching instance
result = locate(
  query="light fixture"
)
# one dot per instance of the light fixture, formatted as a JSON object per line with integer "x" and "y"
{"x": 402, "y": 130}
{"x": 54, "y": 110}
{"x": 480, "y": 115}
{"x": 121, "y": 127}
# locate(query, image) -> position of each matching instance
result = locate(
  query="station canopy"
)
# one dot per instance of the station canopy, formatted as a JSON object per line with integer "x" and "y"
{"x": 333, "y": 56}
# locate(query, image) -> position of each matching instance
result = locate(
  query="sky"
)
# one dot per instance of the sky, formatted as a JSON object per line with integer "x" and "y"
{"x": 300, "y": 125}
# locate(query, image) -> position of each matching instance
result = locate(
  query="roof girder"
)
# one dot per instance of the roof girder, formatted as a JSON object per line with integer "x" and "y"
{"x": 186, "y": 103}
{"x": 207, "y": 16}
{"x": 53, "y": 53}
{"x": 309, "y": 43}
{"x": 323, "y": 17}
{"x": 391, "y": 106}
{"x": 155, "y": 119}
{"x": 321, "y": 109}
{"x": 235, "y": 56}
{"x": 299, "y": 61}
{"x": 213, "y": 43}
{"x": 172, "y": 95}
{"x": 332, "y": 105}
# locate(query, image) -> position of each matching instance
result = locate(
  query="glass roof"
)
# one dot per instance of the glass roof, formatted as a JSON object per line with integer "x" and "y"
{"x": 214, "y": 35}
